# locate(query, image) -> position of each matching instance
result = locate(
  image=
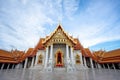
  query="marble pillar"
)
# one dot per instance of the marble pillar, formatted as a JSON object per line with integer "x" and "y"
{"x": 51, "y": 53}
{"x": 113, "y": 65}
{"x": 67, "y": 52}
{"x": 8, "y": 66}
{"x": 46, "y": 59}
{"x": 26, "y": 61}
{"x": 91, "y": 62}
{"x": 32, "y": 62}
{"x": 50, "y": 67}
{"x": 108, "y": 66}
{"x": 2, "y": 66}
{"x": 36, "y": 60}
{"x": 72, "y": 56}
{"x": 81, "y": 60}
{"x": 12, "y": 66}
{"x": 103, "y": 66}
{"x": 68, "y": 63}
{"x": 96, "y": 65}
{"x": 99, "y": 66}
{"x": 85, "y": 62}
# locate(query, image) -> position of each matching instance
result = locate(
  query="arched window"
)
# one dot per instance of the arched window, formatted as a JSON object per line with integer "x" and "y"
{"x": 40, "y": 58}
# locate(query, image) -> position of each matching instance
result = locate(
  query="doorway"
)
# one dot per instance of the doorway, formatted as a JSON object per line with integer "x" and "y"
{"x": 59, "y": 59}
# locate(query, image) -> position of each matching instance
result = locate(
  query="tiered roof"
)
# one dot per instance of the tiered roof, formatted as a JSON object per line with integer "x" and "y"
{"x": 16, "y": 56}
{"x": 111, "y": 56}
{"x": 11, "y": 57}
{"x": 59, "y": 27}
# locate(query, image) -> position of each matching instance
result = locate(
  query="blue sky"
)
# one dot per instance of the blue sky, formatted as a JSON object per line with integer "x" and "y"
{"x": 95, "y": 22}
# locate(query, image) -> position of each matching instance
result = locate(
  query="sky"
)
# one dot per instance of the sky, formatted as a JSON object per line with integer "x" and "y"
{"x": 95, "y": 22}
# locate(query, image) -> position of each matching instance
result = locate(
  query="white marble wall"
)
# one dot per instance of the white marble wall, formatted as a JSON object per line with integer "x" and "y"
{"x": 80, "y": 54}
{"x": 69, "y": 63}
{"x": 40, "y": 52}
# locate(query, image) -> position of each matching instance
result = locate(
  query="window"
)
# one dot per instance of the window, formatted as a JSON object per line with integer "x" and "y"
{"x": 40, "y": 58}
{"x": 77, "y": 59}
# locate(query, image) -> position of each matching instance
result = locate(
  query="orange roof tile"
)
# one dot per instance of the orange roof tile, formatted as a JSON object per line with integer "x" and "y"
{"x": 10, "y": 57}
{"x": 112, "y": 53}
{"x": 88, "y": 52}
{"x": 8, "y": 61}
{"x": 78, "y": 46}
{"x": 29, "y": 52}
{"x": 40, "y": 45}
{"x": 107, "y": 57}
{"x": 4, "y": 53}
{"x": 111, "y": 61}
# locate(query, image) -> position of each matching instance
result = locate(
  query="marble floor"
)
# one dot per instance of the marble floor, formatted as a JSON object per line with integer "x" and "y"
{"x": 34, "y": 74}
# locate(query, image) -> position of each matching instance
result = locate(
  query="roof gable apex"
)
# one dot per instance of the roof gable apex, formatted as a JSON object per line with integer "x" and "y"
{"x": 59, "y": 31}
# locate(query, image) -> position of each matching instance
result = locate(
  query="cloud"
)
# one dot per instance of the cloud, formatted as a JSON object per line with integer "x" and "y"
{"x": 96, "y": 23}
{"x": 70, "y": 7}
{"x": 24, "y": 1}
{"x": 23, "y": 22}
{"x": 22, "y": 27}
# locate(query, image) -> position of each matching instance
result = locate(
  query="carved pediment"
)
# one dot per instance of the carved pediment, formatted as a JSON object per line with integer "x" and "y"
{"x": 59, "y": 36}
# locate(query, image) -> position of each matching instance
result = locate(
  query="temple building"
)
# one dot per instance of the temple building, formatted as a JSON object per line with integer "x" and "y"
{"x": 59, "y": 51}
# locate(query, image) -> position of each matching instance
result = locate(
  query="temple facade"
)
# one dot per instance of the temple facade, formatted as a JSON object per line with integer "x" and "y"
{"x": 59, "y": 51}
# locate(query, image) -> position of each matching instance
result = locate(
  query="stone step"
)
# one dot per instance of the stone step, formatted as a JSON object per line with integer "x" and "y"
{"x": 40, "y": 67}
{"x": 79, "y": 67}
{"x": 59, "y": 69}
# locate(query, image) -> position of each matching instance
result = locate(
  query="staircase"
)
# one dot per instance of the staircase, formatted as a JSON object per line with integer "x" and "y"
{"x": 39, "y": 67}
{"x": 59, "y": 69}
{"x": 79, "y": 67}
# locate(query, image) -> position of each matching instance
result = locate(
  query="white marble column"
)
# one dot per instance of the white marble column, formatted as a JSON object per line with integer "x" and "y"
{"x": 12, "y": 66}
{"x": 36, "y": 60}
{"x": 108, "y": 66}
{"x": 67, "y": 52}
{"x": 46, "y": 59}
{"x": 99, "y": 66}
{"x": 103, "y": 66}
{"x": 113, "y": 65}
{"x": 96, "y": 65}
{"x": 32, "y": 62}
{"x": 85, "y": 62}
{"x": 91, "y": 62}
{"x": 2, "y": 66}
{"x": 72, "y": 56}
{"x": 81, "y": 60}
{"x": 51, "y": 56}
{"x": 51, "y": 52}
{"x": 25, "y": 65}
{"x": 8, "y": 66}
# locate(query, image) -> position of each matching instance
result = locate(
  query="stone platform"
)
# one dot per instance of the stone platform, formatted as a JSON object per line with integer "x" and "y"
{"x": 35, "y": 74}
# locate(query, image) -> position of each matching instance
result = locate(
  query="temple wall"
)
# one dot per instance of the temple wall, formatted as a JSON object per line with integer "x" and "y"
{"x": 40, "y": 52}
{"x": 77, "y": 52}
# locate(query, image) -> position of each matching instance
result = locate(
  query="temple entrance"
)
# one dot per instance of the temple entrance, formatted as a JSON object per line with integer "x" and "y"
{"x": 59, "y": 59}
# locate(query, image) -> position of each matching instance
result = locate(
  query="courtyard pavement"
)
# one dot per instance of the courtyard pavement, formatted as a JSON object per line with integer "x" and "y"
{"x": 35, "y": 74}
